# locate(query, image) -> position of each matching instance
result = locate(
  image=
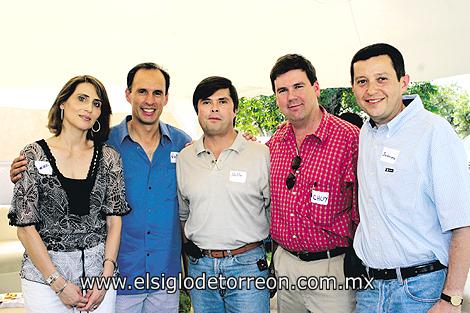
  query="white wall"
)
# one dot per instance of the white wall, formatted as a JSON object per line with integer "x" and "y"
{"x": 6, "y": 187}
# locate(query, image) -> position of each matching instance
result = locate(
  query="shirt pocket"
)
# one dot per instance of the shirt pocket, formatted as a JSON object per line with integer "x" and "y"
{"x": 319, "y": 198}
{"x": 401, "y": 185}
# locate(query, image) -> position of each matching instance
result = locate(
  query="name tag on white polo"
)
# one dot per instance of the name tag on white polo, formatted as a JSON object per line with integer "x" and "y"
{"x": 237, "y": 177}
{"x": 320, "y": 197}
{"x": 43, "y": 167}
{"x": 173, "y": 156}
{"x": 389, "y": 155}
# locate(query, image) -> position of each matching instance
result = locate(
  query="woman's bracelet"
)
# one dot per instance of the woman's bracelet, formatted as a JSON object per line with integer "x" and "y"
{"x": 58, "y": 292}
{"x": 112, "y": 261}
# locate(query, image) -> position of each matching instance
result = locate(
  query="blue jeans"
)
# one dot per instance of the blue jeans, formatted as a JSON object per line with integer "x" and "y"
{"x": 246, "y": 299}
{"x": 159, "y": 301}
{"x": 412, "y": 295}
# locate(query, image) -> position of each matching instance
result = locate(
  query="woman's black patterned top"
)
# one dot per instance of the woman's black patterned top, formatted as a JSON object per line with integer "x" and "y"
{"x": 39, "y": 199}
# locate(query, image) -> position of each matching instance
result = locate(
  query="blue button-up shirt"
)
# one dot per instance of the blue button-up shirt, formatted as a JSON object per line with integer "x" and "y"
{"x": 414, "y": 188}
{"x": 151, "y": 236}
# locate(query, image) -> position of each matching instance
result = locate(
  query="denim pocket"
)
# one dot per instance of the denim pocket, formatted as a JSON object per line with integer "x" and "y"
{"x": 250, "y": 257}
{"x": 193, "y": 260}
{"x": 425, "y": 287}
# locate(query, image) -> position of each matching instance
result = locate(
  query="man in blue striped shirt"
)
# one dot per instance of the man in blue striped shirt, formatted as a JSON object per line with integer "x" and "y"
{"x": 414, "y": 194}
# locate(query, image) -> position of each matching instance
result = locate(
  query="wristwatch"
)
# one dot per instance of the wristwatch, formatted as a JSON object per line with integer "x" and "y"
{"x": 52, "y": 278}
{"x": 454, "y": 300}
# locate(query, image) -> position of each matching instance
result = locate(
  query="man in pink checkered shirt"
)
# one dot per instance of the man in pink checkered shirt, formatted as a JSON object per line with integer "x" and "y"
{"x": 313, "y": 191}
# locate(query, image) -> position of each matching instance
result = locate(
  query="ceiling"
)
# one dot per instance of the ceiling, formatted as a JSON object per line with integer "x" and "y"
{"x": 44, "y": 43}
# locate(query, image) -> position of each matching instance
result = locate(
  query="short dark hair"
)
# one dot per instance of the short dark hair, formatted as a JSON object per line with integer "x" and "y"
{"x": 55, "y": 120}
{"x": 147, "y": 66}
{"x": 377, "y": 50}
{"x": 291, "y": 62}
{"x": 211, "y": 84}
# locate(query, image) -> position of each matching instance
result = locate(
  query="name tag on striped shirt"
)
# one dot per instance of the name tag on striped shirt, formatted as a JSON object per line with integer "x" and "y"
{"x": 320, "y": 197}
{"x": 389, "y": 155}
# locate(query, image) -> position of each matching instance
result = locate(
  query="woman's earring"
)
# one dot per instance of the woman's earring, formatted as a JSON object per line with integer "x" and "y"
{"x": 61, "y": 114}
{"x": 93, "y": 127}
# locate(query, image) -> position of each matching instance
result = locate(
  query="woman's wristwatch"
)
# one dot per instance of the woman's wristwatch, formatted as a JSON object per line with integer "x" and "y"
{"x": 52, "y": 278}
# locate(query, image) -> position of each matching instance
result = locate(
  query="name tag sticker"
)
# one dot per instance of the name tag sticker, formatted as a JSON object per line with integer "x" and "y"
{"x": 320, "y": 197}
{"x": 43, "y": 167}
{"x": 173, "y": 156}
{"x": 238, "y": 177}
{"x": 389, "y": 155}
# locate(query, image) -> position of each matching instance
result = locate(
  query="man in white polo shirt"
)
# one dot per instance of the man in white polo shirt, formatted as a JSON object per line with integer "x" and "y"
{"x": 223, "y": 191}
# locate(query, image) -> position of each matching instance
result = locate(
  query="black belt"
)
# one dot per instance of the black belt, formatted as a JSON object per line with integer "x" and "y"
{"x": 314, "y": 256}
{"x": 406, "y": 272}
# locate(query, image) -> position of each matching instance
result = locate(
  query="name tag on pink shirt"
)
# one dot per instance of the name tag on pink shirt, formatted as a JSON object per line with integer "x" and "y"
{"x": 320, "y": 197}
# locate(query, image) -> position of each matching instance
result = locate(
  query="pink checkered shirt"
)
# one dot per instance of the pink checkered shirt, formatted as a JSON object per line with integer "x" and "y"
{"x": 329, "y": 162}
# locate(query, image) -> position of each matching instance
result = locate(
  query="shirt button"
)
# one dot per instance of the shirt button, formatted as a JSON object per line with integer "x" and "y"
{"x": 148, "y": 254}
{"x": 294, "y": 236}
{"x": 294, "y": 192}
{"x": 148, "y": 233}
{"x": 150, "y": 188}
{"x": 292, "y": 214}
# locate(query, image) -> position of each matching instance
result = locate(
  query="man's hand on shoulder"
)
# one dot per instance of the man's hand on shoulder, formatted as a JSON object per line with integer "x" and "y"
{"x": 249, "y": 136}
{"x": 17, "y": 167}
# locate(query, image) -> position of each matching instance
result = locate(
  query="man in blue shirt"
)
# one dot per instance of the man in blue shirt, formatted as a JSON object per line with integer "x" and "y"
{"x": 151, "y": 236}
{"x": 414, "y": 194}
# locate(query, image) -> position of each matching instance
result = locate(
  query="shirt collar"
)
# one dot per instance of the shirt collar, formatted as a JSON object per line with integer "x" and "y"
{"x": 165, "y": 132}
{"x": 413, "y": 105}
{"x": 123, "y": 130}
{"x": 237, "y": 144}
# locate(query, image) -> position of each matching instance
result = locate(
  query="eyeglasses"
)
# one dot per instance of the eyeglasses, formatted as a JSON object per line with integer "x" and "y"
{"x": 290, "y": 180}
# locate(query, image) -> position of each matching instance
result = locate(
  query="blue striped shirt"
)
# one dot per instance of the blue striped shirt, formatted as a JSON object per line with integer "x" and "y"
{"x": 414, "y": 188}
